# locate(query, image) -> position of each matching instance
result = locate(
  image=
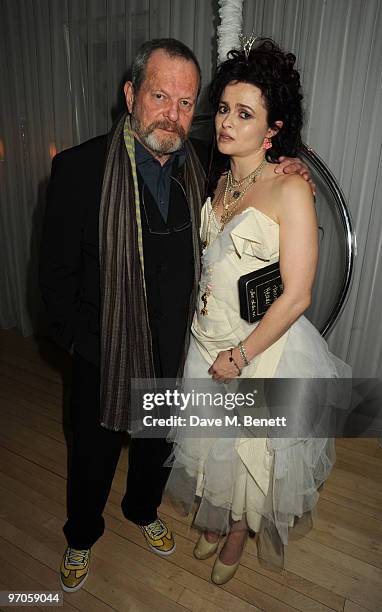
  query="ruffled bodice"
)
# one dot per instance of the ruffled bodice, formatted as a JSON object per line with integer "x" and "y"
{"x": 249, "y": 242}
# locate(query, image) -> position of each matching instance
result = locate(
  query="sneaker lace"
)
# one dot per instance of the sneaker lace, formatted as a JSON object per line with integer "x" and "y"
{"x": 155, "y": 529}
{"x": 77, "y": 557}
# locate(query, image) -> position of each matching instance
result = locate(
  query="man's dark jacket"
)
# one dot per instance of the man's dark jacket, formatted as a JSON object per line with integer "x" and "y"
{"x": 69, "y": 260}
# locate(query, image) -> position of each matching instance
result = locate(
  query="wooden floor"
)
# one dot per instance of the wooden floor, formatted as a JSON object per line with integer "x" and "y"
{"x": 338, "y": 566}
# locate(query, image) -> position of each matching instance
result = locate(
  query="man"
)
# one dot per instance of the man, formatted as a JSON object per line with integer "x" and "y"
{"x": 119, "y": 275}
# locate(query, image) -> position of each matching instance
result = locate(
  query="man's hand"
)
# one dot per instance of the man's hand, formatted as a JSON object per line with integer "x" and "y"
{"x": 294, "y": 165}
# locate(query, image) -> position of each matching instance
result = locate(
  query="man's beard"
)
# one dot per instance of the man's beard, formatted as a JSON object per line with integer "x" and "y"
{"x": 161, "y": 146}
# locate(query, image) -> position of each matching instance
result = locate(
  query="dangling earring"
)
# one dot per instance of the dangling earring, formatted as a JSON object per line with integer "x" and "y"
{"x": 267, "y": 144}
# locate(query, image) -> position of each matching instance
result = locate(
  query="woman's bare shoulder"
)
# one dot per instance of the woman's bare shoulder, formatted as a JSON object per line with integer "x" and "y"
{"x": 292, "y": 195}
{"x": 292, "y": 183}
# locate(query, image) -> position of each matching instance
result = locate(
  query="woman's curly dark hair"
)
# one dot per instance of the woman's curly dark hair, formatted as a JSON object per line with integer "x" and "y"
{"x": 273, "y": 72}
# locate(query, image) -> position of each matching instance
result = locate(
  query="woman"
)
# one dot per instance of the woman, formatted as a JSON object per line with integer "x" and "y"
{"x": 254, "y": 218}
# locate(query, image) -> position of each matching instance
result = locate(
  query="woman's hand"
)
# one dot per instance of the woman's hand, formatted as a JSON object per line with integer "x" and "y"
{"x": 223, "y": 369}
{"x": 294, "y": 165}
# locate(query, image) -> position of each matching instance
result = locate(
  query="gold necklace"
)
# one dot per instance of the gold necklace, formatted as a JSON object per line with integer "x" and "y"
{"x": 206, "y": 240}
{"x": 230, "y": 207}
{"x": 235, "y": 184}
{"x": 228, "y": 211}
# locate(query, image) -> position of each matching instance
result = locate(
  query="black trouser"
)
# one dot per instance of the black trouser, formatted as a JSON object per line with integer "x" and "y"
{"x": 93, "y": 461}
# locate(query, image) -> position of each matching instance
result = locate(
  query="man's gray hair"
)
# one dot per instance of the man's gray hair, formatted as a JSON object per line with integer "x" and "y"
{"x": 171, "y": 46}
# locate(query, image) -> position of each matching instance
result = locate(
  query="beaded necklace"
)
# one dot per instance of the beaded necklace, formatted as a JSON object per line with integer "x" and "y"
{"x": 229, "y": 207}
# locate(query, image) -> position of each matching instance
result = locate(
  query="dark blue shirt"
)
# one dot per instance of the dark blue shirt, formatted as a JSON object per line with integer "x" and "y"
{"x": 157, "y": 177}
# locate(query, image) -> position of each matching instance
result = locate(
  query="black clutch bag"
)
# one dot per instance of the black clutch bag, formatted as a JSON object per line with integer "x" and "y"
{"x": 258, "y": 290}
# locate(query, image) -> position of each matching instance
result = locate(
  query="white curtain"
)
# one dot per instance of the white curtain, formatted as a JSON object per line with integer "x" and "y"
{"x": 61, "y": 65}
{"x": 338, "y": 44}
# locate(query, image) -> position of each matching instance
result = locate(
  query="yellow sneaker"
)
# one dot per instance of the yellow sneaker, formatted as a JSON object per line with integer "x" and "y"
{"x": 159, "y": 537}
{"x": 74, "y": 569}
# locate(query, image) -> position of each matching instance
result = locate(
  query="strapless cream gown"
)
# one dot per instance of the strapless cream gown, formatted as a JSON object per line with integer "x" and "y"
{"x": 267, "y": 481}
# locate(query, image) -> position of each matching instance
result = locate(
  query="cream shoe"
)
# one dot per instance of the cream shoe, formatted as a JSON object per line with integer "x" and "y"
{"x": 222, "y": 573}
{"x": 204, "y": 549}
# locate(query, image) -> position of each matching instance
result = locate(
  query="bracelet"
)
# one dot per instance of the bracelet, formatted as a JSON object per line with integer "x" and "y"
{"x": 234, "y": 362}
{"x": 243, "y": 354}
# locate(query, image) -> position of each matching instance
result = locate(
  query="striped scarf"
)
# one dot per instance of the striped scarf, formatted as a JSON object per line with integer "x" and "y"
{"x": 126, "y": 349}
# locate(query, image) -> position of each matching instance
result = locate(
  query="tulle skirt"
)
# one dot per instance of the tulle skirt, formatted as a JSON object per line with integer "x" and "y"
{"x": 270, "y": 483}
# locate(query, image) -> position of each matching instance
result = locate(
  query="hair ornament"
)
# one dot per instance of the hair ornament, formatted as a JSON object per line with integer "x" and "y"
{"x": 247, "y": 43}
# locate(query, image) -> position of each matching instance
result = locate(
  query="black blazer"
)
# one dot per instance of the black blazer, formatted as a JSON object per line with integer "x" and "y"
{"x": 69, "y": 256}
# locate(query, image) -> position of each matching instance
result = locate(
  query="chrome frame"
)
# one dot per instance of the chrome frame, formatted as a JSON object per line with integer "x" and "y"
{"x": 346, "y": 221}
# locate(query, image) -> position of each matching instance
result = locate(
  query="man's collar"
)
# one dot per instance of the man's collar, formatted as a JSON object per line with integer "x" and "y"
{"x": 143, "y": 155}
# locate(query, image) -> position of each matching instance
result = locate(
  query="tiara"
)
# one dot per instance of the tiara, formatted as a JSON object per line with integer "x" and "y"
{"x": 247, "y": 43}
